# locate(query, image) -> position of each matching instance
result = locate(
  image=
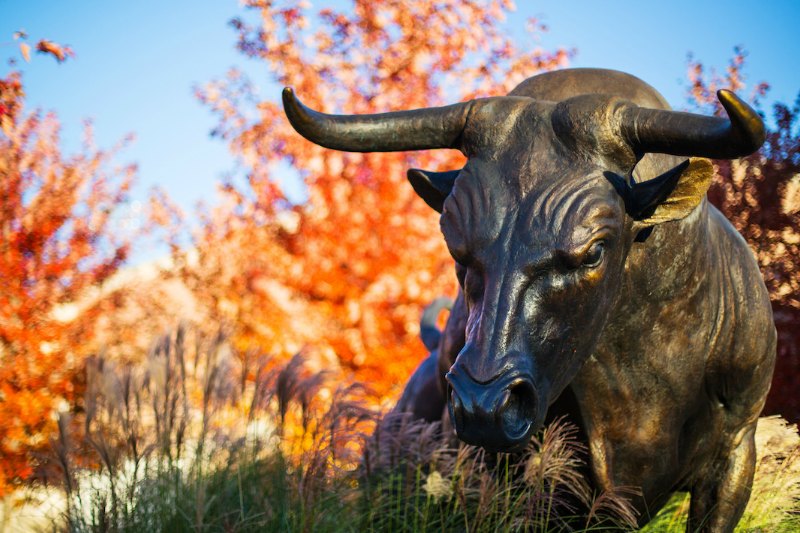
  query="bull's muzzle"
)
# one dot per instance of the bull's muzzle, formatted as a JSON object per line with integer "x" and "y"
{"x": 500, "y": 415}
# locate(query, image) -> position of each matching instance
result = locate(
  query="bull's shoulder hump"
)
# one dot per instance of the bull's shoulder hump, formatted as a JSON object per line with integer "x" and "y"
{"x": 562, "y": 84}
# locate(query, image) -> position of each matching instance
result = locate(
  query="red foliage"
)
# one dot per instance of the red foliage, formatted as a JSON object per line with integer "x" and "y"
{"x": 55, "y": 243}
{"x": 11, "y": 95}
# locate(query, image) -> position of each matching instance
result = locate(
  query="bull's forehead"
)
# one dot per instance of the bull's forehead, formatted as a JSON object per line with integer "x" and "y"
{"x": 547, "y": 203}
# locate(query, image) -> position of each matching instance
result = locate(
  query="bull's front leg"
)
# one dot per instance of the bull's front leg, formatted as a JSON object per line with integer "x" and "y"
{"x": 719, "y": 500}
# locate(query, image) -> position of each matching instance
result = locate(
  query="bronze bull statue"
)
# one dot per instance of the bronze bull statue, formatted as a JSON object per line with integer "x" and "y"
{"x": 597, "y": 282}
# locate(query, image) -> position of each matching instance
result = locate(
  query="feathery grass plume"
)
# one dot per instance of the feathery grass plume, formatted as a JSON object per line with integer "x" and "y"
{"x": 349, "y": 418}
{"x": 262, "y": 386}
{"x": 553, "y": 467}
{"x": 61, "y": 447}
{"x": 287, "y": 386}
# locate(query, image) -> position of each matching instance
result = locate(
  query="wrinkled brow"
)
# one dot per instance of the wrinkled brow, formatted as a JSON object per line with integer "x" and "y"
{"x": 474, "y": 214}
{"x": 571, "y": 210}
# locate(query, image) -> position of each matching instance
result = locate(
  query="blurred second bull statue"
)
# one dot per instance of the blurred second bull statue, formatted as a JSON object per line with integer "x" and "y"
{"x": 597, "y": 282}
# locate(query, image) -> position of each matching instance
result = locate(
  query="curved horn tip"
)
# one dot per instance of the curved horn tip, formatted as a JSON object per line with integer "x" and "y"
{"x": 300, "y": 116}
{"x": 735, "y": 105}
{"x": 744, "y": 118}
{"x": 288, "y": 96}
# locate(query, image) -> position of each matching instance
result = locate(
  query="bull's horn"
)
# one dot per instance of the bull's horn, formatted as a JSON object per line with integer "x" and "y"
{"x": 687, "y": 134}
{"x": 418, "y": 129}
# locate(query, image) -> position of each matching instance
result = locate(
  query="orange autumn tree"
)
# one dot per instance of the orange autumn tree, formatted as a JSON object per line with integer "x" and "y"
{"x": 55, "y": 243}
{"x": 345, "y": 272}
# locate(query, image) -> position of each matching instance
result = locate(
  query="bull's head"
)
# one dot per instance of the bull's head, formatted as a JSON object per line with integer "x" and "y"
{"x": 540, "y": 223}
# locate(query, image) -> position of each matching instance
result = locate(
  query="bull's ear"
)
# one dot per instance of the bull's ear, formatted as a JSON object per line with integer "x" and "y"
{"x": 672, "y": 195}
{"x": 433, "y": 187}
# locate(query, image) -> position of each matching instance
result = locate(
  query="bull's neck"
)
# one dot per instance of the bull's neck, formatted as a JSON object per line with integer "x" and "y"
{"x": 674, "y": 262}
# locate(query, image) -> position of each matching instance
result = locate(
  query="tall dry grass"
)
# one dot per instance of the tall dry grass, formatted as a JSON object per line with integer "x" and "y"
{"x": 199, "y": 438}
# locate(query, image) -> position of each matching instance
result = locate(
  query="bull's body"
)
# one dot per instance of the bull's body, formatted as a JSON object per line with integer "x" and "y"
{"x": 671, "y": 373}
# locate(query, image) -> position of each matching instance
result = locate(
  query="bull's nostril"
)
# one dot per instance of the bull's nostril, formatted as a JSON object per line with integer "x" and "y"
{"x": 518, "y": 410}
{"x": 456, "y": 410}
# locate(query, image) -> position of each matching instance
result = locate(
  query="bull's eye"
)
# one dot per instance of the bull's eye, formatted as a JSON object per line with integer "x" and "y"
{"x": 594, "y": 256}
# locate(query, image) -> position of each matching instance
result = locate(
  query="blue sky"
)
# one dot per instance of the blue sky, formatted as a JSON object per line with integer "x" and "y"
{"x": 137, "y": 62}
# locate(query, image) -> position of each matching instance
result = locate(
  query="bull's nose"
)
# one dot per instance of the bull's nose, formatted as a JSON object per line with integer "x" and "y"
{"x": 500, "y": 415}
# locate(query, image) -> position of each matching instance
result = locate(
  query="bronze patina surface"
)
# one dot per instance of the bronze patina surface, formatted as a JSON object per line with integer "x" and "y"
{"x": 597, "y": 281}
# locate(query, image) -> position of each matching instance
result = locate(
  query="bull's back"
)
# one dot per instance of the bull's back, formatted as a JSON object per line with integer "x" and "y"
{"x": 563, "y": 84}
